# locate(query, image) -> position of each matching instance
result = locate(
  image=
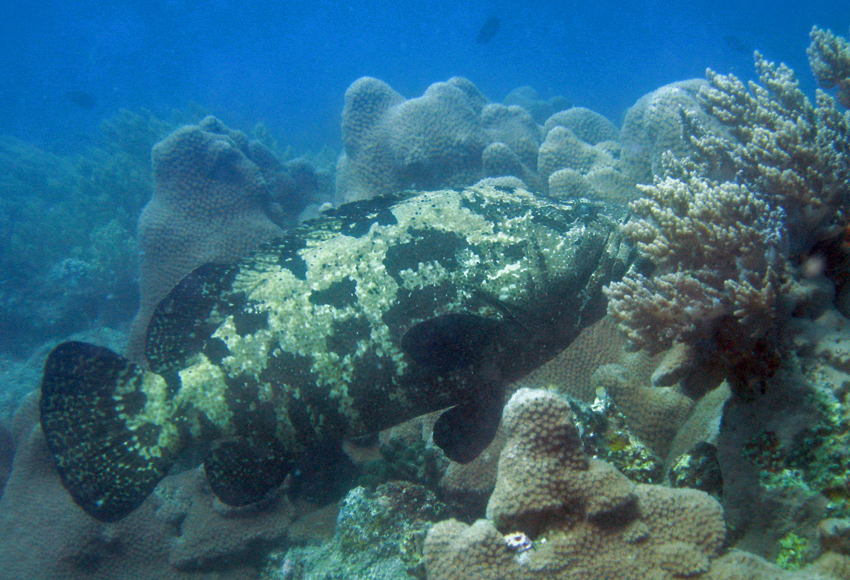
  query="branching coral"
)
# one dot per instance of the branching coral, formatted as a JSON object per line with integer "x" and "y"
{"x": 721, "y": 225}
{"x": 795, "y": 155}
{"x": 717, "y": 248}
{"x": 829, "y": 57}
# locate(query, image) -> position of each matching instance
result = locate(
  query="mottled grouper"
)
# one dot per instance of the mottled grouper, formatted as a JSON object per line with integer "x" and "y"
{"x": 375, "y": 313}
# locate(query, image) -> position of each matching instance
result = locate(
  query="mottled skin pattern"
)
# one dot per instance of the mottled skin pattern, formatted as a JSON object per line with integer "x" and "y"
{"x": 376, "y": 313}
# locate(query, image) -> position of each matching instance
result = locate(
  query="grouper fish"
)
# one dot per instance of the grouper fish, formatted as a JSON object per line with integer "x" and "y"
{"x": 375, "y": 313}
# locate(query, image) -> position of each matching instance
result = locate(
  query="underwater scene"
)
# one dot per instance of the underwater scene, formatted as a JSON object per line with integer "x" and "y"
{"x": 425, "y": 290}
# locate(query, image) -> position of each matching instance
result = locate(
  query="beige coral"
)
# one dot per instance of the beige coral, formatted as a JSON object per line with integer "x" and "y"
{"x": 434, "y": 141}
{"x": 793, "y": 153}
{"x": 718, "y": 252}
{"x": 829, "y": 58}
{"x": 211, "y": 203}
{"x": 586, "y": 519}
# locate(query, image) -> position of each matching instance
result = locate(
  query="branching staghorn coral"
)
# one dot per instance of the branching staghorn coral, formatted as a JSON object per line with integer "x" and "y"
{"x": 795, "y": 155}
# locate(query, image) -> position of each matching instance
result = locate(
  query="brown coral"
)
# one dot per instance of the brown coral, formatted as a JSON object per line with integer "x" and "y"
{"x": 586, "y": 519}
{"x": 441, "y": 139}
{"x": 718, "y": 252}
{"x": 791, "y": 152}
{"x": 211, "y": 203}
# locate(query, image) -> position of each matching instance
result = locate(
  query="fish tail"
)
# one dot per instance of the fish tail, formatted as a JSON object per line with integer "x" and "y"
{"x": 110, "y": 427}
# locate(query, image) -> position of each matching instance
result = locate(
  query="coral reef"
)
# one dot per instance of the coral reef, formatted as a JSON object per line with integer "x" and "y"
{"x": 379, "y": 534}
{"x": 792, "y": 152}
{"x": 720, "y": 248}
{"x": 216, "y": 195}
{"x": 717, "y": 253}
{"x": 540, "y": 109}
{"x": 434, "y": 141}
{"x": 660, "y": 123}
{"x": 452, "y": 137}
{"x": 585, "y": 519}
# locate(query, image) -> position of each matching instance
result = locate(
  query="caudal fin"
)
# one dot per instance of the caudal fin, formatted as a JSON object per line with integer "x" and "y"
{"x": 109, "y": 426}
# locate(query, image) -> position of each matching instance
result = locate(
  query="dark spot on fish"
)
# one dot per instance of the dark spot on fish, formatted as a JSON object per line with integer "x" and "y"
{"x": 324, "y": 474}
{"x": 555, "y": 222}
{"x": 515, "y": 252}
{"x": 449, "y": 342}
{"x": 343, "y": 339}
{"x": 287, "y": 255}
{"x": 384, "y": 217}
{"x": 182, "y": 319}
{"x": 415, "y": 304}
{"x": 81, "y": 99}
{"x": 488, "y": 30}
{"x": 464, "y": 431}
{"x": 372, "y": 371}
{"x": 215, "y": 350}
{"x": 248, "y": 321}
{"x": 242, "y": 470}
{"x": 426, "y": 246}
{"x": 298, "y": 415}
{"x": 492, "y": 209}
{"x": 339, "y": 294}
{"x": 249, "y": 413}
{"x": 285, "y": 368}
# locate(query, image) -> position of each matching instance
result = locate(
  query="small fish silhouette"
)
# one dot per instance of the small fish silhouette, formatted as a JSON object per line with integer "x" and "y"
{"x": 488, "y": 30}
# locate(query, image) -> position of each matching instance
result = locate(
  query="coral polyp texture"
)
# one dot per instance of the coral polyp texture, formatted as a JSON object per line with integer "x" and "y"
{"x": 829, "y": 57}
{"x": 758, "y": 186}
{"x": 449, "y": 137}
{"x": 583, "y": 518}
{"x": 717, "y": 249}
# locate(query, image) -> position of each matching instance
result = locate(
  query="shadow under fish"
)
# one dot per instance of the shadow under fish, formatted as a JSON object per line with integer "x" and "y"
{"x": 488, "y": 30}
{"x": 373, "y": 314}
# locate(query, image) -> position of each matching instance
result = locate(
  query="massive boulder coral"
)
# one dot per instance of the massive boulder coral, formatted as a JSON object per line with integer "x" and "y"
{"x": 211, "y": 203}
{"x": 661, "y": 122}
{"x": 434, "y": 141}
{"x": 555, "y": 513}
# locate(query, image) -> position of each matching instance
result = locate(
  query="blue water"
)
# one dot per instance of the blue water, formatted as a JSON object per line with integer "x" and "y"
{"x": 288, "y": 64}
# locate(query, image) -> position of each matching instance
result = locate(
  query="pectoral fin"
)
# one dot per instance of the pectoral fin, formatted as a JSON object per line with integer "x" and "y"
{"x": 449, "y": 342}
{"x": 464, "y": 431}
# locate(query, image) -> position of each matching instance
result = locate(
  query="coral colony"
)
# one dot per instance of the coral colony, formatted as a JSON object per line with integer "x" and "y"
{"x": 493, "y": 341}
